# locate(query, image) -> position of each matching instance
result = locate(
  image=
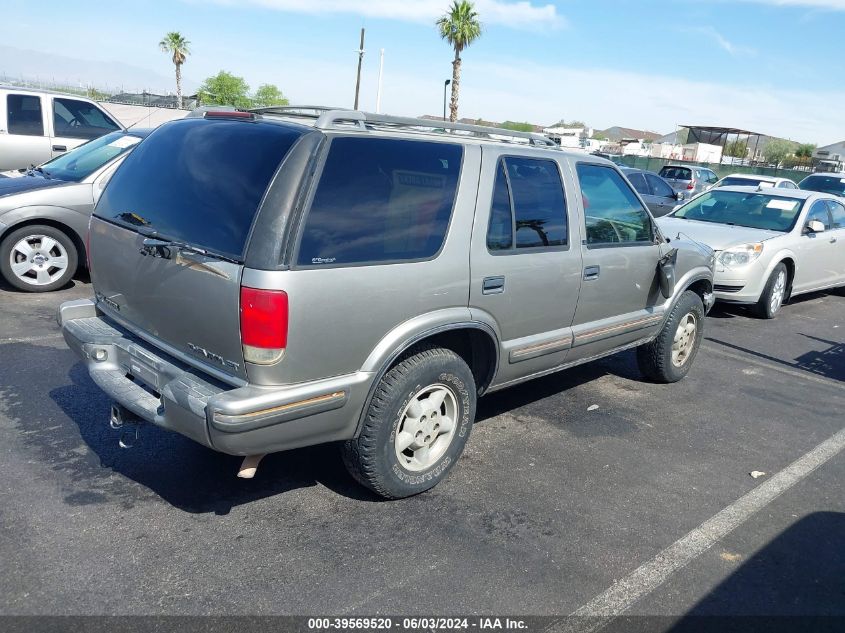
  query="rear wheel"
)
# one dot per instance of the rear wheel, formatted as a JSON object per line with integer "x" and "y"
{"x": 669, "y": 357}
{"x": 38, "y": 258}
{"x": 774, "y": 293}
{"x": 416, "y": 426}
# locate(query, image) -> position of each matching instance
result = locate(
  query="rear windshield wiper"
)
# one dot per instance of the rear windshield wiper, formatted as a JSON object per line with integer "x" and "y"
{"x": 167, "y": 249}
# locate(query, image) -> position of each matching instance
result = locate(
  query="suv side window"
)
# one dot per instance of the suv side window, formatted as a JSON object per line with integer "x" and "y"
{"x": 837, "y": 214}
{"x": 528, "y": 203}
{"x": 79, "y": 119}
{"x": 820, "y": 213}
{"x": 379, "y": 201}
{"x": 613, "y": 213}
{"x": 638, "y": 181}
{"x": 23, "y": 114}
{"x": 659, "y": 187}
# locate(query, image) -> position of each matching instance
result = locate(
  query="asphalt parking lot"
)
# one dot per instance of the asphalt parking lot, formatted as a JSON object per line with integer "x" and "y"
{"x": 551, "y": 507}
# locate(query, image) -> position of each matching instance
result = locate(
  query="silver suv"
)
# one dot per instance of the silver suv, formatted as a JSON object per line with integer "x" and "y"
{"x": 275, "y": 279}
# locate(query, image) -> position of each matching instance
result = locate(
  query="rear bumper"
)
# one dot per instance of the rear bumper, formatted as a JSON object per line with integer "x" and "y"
{"x": 173, "y": 395}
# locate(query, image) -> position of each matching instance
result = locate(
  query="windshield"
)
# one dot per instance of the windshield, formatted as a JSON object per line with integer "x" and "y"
{"x": 88, "y": 158}
{"x": 744, "y": 182}
{"x": 676, "y": 173}
{"x": 753, "y": 210}
{"x": 824, "y": 184}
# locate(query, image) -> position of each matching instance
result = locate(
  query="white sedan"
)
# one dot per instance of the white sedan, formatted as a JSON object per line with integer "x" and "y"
{"x": 755, "y": 180}
{"x": 771, "y": 244}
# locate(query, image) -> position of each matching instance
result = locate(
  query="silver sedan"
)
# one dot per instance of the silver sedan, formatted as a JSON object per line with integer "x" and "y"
{"x": 771, "y": 244}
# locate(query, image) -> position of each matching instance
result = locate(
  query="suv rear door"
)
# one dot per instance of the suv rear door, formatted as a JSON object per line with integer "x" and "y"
{"x": 198, "y": 182}
{"x": 525, "y": 260}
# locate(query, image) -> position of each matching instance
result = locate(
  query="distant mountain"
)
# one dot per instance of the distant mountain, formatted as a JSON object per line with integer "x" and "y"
{"x": 49, "y": 69}
{"x": 617, "y": 133}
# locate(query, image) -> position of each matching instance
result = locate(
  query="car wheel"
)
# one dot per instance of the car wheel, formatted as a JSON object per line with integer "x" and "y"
{"x": 669, "y": 357}
{"x": 38, "y": 258}
{"x": 774, "y": 293}
{"x": 416, "y": 426}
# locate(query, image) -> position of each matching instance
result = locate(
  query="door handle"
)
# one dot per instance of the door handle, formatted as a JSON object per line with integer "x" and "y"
{"x": 59, "y": 148}
{"x": 493, "y": 285}
{"x": 591, "y": 273}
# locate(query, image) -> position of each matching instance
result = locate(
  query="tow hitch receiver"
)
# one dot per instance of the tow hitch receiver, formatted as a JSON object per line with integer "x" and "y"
{"x": 123, "y": 420}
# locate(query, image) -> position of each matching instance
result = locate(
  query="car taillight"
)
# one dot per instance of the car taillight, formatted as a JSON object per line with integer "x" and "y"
{"x": 691, "y": 185}
{"x": 264, "y": 325}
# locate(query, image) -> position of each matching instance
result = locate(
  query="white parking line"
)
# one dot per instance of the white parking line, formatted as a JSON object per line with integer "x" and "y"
{"x": 30, "y": 339}
{"x": 645, "y": 579}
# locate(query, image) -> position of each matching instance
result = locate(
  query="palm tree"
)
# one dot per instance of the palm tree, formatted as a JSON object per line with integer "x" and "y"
{"x": 460, "y": 27}
{"x": 174, "y": 43}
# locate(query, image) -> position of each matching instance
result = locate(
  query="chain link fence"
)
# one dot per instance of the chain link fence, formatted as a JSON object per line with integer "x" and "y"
{"x": 649, "y": 163}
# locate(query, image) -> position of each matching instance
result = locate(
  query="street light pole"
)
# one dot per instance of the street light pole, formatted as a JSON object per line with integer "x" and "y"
{"x": 445, "y": 85}
{"x": 380, "y": 73}
{"x": 360, "y": 52}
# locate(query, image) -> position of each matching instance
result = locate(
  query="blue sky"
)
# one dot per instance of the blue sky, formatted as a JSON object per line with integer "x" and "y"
{"x": 768, "y": 65}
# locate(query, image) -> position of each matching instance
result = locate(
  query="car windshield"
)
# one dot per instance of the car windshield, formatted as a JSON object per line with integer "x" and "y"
{"x": 676, "y": 173}
{"x": 824, "y": 184}
{"x": 745, "y": 182}
{"x": 753, "y": 210}
{"x": 88, "y": 158}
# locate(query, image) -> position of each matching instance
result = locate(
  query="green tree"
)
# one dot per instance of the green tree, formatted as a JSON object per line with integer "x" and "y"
{"x": 175, "y": 44}
{"x": 737, "y": 148}
{"x": 460, "y": 27}
{"x": 516, "y": 126}
{"x": 777, "y": 149}
{"x": 268, "y": 95}
{"x": 224, "y": 88}
{"x": 805, "y": 150}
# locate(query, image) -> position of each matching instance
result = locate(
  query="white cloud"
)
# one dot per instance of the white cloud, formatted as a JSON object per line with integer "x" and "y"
{"x": 522, "y": 14}
{"x": 732, "y": 49}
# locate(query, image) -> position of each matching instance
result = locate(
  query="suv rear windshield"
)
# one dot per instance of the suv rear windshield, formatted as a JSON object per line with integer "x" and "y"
{"x": 824, "y": 184}
{"x": 380, "y": 201}
{"x": 198, "y": 181}
{"x": 676, "y": 173}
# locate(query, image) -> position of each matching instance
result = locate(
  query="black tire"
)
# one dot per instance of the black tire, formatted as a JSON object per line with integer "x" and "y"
{"x": 655, "y": 358}
{"x": 764, "y": 307}
{"x": 62, "y": 238}
{"x": 372, "y": 457}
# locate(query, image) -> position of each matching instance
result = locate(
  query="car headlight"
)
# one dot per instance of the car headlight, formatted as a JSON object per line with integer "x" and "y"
{"x": 740, "y": 255}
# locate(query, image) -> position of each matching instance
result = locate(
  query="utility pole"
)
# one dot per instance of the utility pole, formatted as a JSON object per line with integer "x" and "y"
{"x": 360, "y": 52}
{"x": 380, "y": 72}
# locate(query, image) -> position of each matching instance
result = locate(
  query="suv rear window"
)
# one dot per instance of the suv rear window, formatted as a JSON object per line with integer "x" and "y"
{"x": 198, "y": 181}
{"x": 676, "y": 173}
{"x": 381, "y": 200}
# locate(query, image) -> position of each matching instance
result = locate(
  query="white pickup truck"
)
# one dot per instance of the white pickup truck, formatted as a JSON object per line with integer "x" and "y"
{"x": 37, "y": 125}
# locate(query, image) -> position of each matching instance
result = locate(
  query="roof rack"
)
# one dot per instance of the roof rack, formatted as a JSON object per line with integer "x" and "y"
{"x": 331, "y": 118}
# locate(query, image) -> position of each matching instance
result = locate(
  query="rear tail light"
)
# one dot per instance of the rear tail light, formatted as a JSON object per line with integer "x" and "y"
{"x": 691, "y": 185}
{"x": 264, "y": 325}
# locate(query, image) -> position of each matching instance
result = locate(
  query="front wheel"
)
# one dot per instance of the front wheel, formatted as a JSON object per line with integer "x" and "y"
{"x": 38, "y": 258}
{"x": 774, "y": 293}
{"x": 669, "y": 357}
{"x": 416, "y": 426}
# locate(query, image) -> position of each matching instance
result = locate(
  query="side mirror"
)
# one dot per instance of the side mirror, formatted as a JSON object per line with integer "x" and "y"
{"x": 680, "y": 196}
{"x": 814, "y": 226}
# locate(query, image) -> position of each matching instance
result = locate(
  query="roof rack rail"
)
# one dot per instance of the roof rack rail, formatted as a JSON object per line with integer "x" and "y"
{"x": 329, "y": 118}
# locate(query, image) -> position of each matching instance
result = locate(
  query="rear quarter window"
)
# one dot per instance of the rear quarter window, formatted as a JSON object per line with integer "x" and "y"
{"x": 198, "y": 181}
{"x": 381, "y": 201}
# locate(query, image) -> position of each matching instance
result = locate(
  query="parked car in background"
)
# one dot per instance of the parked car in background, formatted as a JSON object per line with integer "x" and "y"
{"x": 655, "y": 192}
{"x": 755, "y": 180}
{"x": 36, "y": 125}
{"x": 44, "y": 211}
{"x": 832, "y": 183}
{"x": 688, "y": 179}
{"x": 419, "y": 271}
{"x": 771, "y": 244}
